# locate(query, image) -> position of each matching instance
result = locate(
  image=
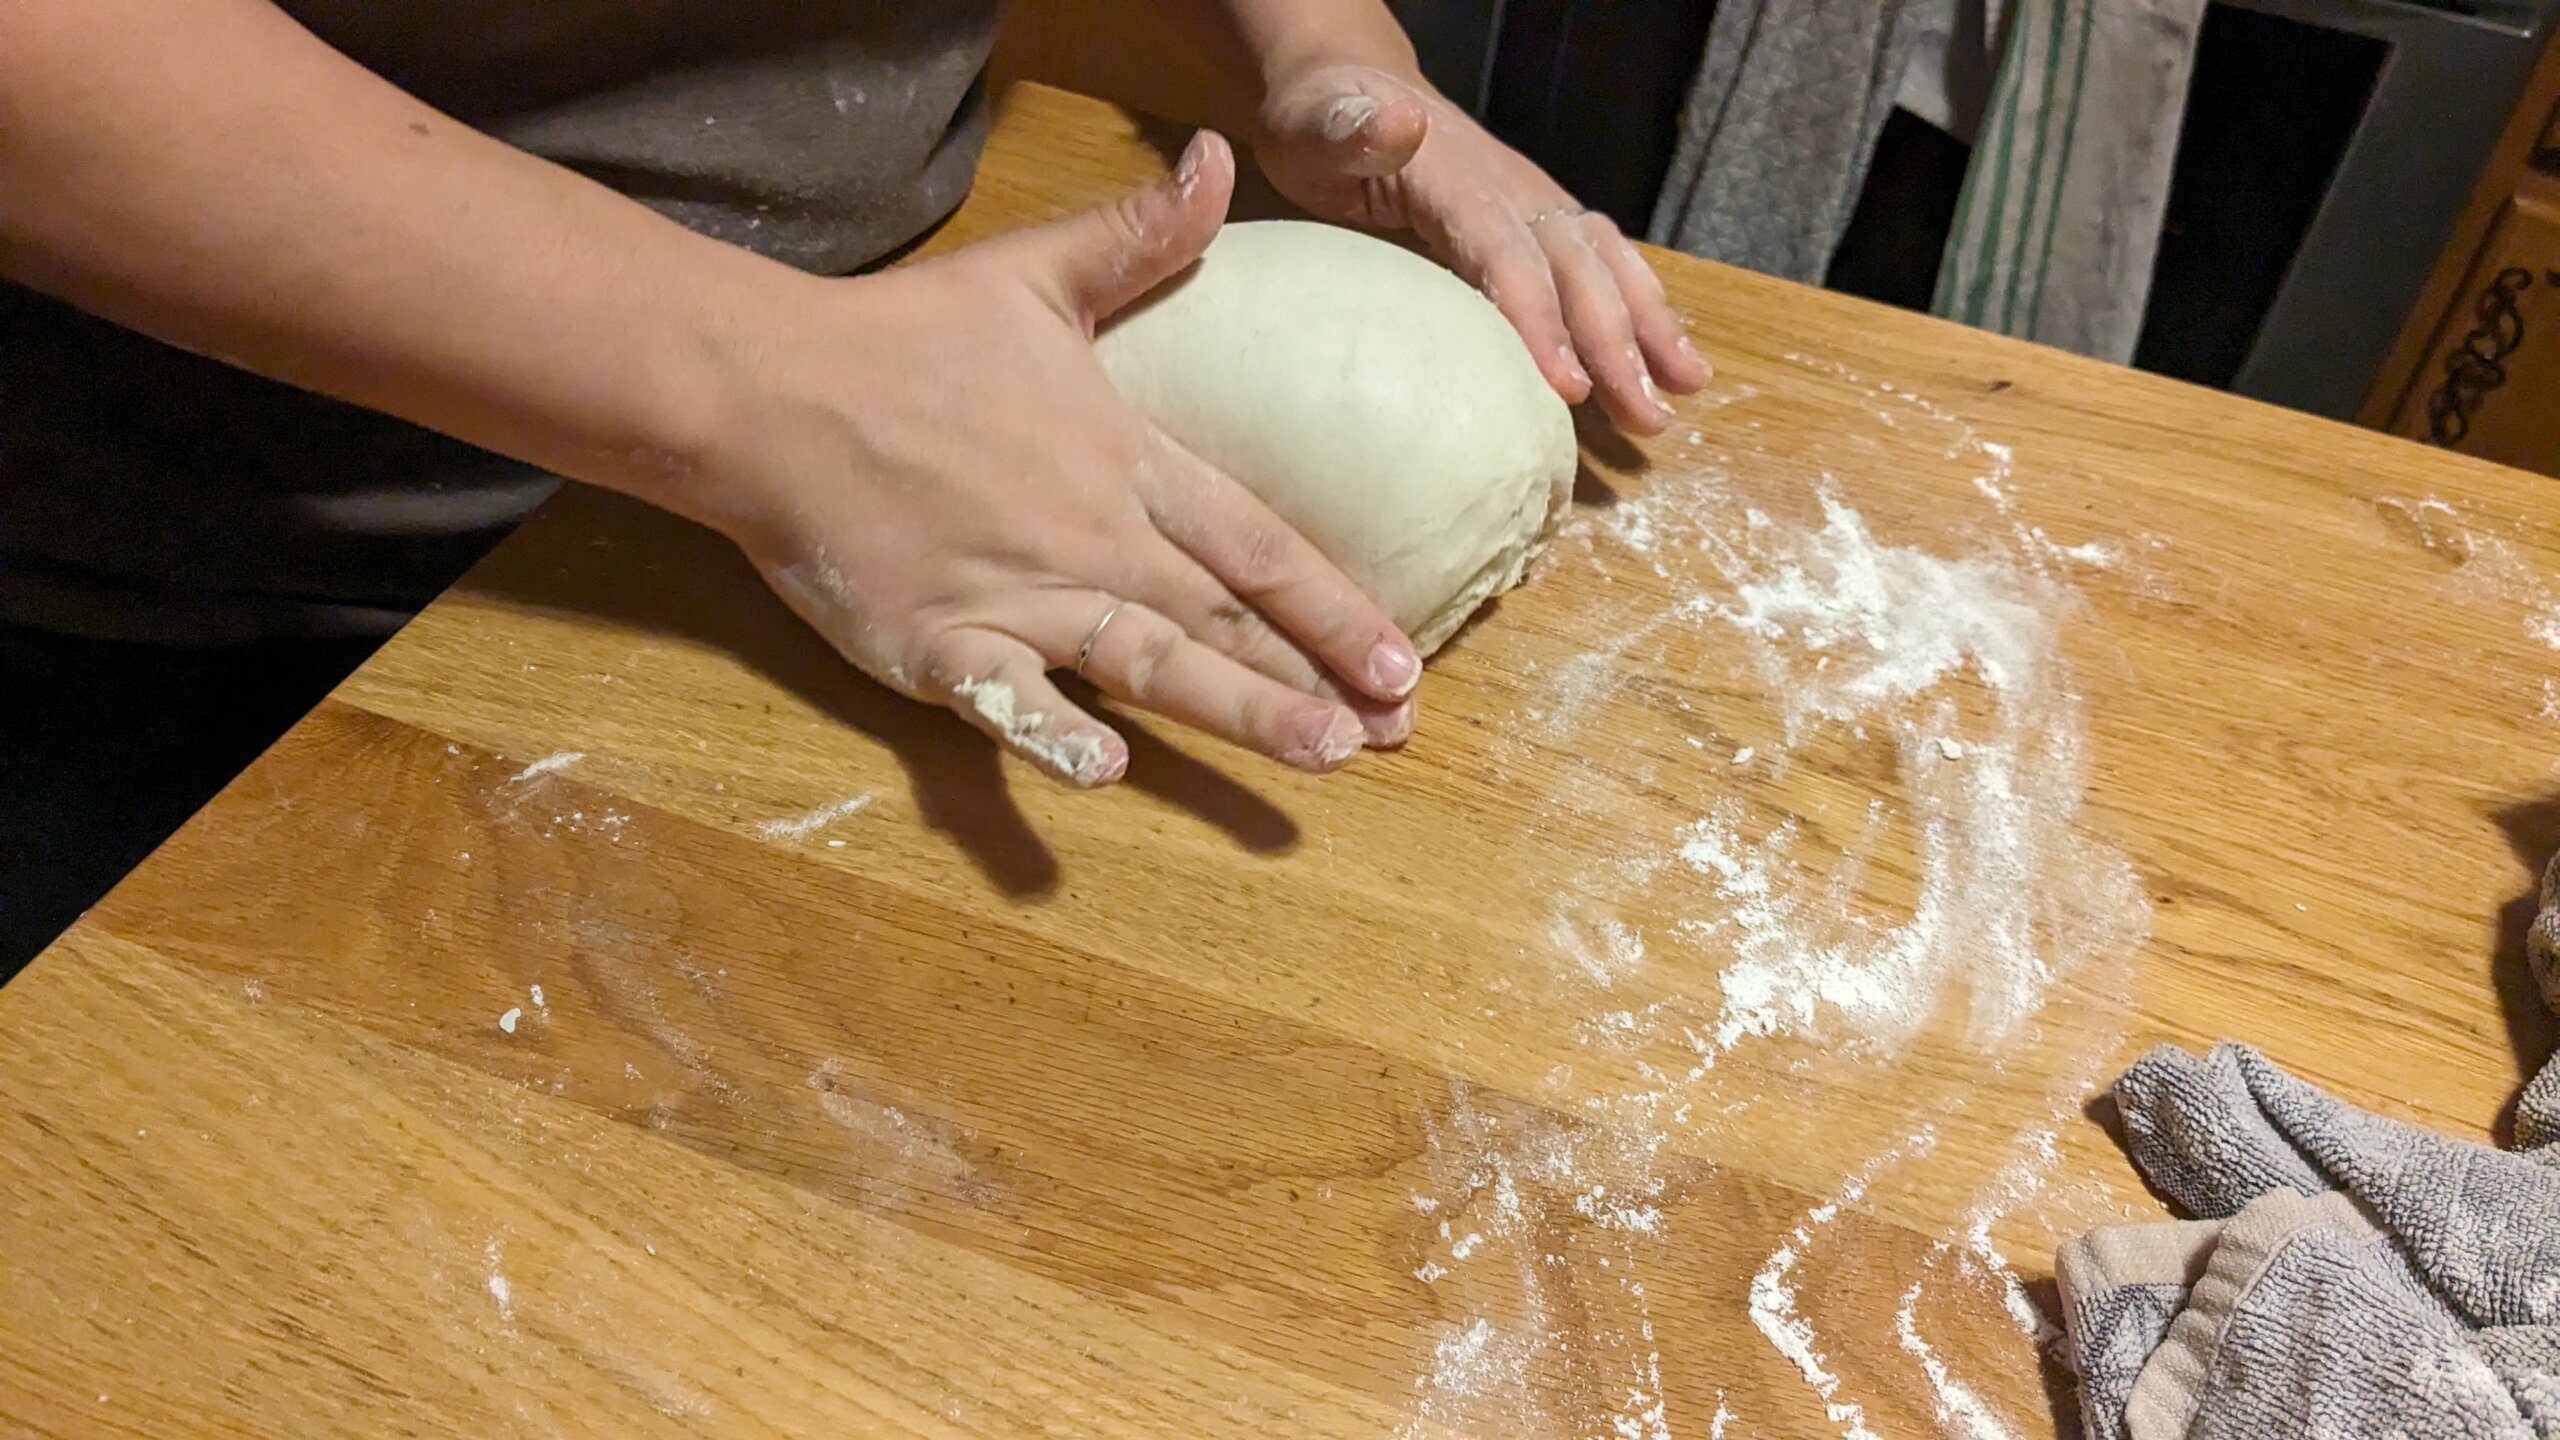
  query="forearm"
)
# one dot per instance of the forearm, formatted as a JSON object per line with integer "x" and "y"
{"x": 209, "y": 173}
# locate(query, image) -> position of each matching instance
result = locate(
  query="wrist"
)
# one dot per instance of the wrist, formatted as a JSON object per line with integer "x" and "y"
{"x": 697, "y": 392}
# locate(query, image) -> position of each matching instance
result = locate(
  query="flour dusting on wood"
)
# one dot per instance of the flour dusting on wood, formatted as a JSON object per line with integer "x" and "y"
{"x": 796, "y": 827}
{"x": 500, "y": 1290}
{"x": 551, "y": 764}
{"x": 2487, "y": 566}
{"x": 1971, "y": 877}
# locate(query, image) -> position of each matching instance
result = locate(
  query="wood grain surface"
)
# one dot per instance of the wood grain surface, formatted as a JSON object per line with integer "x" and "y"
{"x": 874, "y": 1085}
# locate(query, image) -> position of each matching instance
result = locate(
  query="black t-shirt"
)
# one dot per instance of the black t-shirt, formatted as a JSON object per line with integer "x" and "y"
{"x": 148, "y": 493}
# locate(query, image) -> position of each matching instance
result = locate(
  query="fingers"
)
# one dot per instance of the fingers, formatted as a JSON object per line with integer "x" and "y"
{"x": 1677, "y": 366}
{"x": 1101, "y": 261}
{"x": 1001, "y": 685}
{"x": 1591, "y": 311}
{"x": 1270, "y": 566}
{"x": 1351, "y": 119}
{"x": 1143, "y": 658}
{"x": 1180, "y": 589}
{"x": 1602, "y": 329}
{"x": 1518, "y": 282}
{"x": 995, "y": 676}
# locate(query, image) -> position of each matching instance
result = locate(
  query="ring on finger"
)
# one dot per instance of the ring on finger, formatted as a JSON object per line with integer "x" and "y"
{"x": 1084, "y": 652}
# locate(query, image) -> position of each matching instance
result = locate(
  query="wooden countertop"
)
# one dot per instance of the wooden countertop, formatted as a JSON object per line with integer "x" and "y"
{"x": 609, "y": 1015}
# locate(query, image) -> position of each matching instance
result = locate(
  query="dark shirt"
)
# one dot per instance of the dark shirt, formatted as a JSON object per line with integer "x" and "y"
{"x": 147, "y": 493}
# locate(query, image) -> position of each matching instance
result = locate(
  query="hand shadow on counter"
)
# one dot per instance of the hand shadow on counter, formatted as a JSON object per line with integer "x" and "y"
{"x": 594, "y": 553}
{"x": 2533, "y": 1032}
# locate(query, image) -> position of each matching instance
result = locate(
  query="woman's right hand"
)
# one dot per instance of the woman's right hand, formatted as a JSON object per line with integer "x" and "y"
{"x": 932, "y": 469}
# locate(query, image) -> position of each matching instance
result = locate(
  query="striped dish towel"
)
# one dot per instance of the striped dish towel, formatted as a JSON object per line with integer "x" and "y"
{"x": 2059, "y": 221}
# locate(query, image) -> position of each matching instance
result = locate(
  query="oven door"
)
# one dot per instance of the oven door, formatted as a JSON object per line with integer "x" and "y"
{"x": 2443, "y": 84}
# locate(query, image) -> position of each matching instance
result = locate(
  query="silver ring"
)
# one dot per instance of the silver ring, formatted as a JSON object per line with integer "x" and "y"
{"x": 1084, "y": 652}
{"x": 1555, "y": 211}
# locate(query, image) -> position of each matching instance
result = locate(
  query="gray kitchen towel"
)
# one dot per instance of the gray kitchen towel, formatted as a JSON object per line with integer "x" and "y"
{"x": 2300, "y": 1318}
{"x": 2122, "y": 1288}
{"x": 1779, "y": 125}
{"x": 2059, "y": 221}
{"x": 2347, "y": 1274}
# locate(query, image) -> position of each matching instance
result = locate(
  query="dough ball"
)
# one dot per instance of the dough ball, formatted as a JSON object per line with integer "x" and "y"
{"x": 1373, "y": 399}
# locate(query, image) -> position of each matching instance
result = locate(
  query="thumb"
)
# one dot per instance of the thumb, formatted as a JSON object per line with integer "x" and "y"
{"x": 1352, "y": 119}
{"x": 1097, "y": 263}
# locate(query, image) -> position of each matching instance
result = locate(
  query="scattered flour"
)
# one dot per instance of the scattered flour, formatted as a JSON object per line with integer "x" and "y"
{"x": 1773, "y": 1295}
{"x": 499, "y": 1290}
{"x": 1577, "y": 685}
{"x": 2486, "y": 566}
{"x": 2017, "y": 1183}
{"x": 551, "y": 764}
{"x": 794, "y": 827}
{"x": 1960, "y": 1411}
{"x": 1954, "y": 666}
{"x": 1851, "y": 632}
{"x": 507, "y": 1022}
{"x": 1893, "y": 621}
{"x": 900, "y": 1154}
{"x": 1602, "y": 952}
{"x": 1473, "y": 1360}
{"x": 1532, "y": 1197}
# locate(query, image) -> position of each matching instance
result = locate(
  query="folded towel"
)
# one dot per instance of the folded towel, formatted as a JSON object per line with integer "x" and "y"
{"x": 2347, "y": 1275}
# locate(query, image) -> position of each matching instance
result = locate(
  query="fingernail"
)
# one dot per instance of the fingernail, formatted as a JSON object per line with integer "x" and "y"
{"x": 1391, "y": 729}
{"x": 1652, "y": 395}
{"x": 1187, "y": 169}
{"x": 1114, "y": 764}
{"x": 1574, "y": 374}
{"x": 1689, "y": 351}
{"x": 1394, "y": 668}
{"x": 1332, "y": 737}
{"x": 1344, "y": 117}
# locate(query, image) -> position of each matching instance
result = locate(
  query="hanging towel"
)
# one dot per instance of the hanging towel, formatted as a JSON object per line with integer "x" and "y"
{"x": 2347, "y": 1274}
{"x": 1948, "y": 81}
{"x": 1779, "y": 126}
{"x": 2059, "y": 221}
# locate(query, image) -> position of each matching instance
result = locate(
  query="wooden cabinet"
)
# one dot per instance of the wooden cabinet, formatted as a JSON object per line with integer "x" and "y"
{"x": 2490, "y": 384}
{"x": 2477, "y": 368}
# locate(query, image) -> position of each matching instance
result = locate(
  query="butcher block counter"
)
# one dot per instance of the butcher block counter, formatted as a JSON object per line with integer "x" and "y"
{"x": 609, "y": 1014}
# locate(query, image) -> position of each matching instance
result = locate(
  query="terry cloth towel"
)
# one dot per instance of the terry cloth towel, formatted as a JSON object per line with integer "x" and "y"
{"x": 1779, "y": 125}
{"x": 2347, "y": 1275}
{"x": 2059, "y": 222}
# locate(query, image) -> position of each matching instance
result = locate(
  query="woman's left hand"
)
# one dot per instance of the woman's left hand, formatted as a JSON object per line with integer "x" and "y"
{"x": 1361, "y": 146}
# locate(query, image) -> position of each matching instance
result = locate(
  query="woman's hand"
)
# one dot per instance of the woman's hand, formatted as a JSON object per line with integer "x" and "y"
{"x": 1357, "y": 144}
{"x": 931, "y": 467}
